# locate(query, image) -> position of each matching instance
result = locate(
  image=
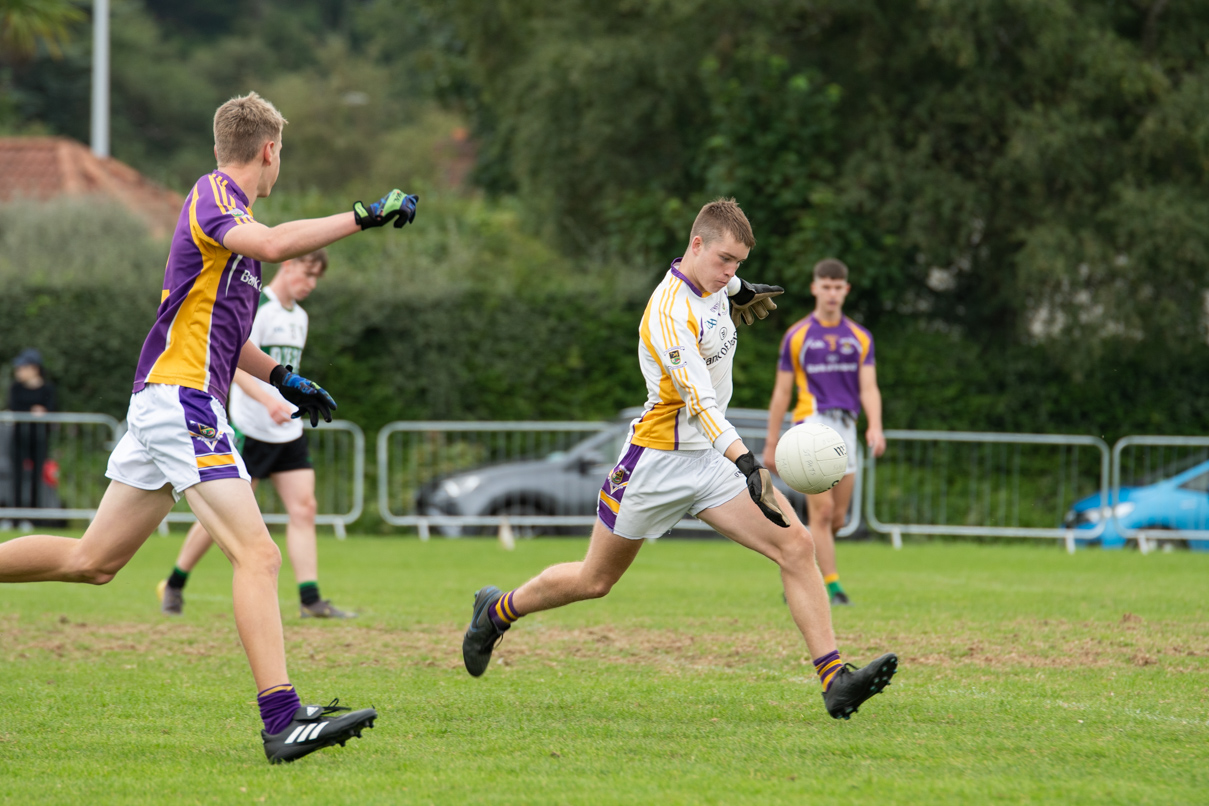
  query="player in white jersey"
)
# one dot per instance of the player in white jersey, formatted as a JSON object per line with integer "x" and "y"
{"x": 683, "y": 457}
{"x": 271, "y": 442}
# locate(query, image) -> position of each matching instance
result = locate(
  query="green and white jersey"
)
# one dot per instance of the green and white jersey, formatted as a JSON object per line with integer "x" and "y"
{"x": 280, "y": 332}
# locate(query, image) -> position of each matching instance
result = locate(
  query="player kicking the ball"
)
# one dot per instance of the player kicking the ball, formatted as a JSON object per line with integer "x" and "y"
{"x": 683, "y": 457}
{"x": 179, "y": 442}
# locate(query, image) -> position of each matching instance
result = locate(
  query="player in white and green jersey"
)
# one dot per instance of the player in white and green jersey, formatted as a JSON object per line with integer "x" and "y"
{"x": 271, "y": 442}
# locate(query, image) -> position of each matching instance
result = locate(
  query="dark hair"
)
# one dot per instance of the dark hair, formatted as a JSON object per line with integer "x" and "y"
{"x": 316, "y": 258}
{"x": 830, "y": 269}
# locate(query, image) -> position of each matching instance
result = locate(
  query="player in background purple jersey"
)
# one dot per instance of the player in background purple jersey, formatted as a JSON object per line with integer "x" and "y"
{"x": 829, "y": 358}
{"x": 179, "y": 441}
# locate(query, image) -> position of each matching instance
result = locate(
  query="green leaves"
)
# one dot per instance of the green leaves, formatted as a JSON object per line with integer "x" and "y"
{"x": 24, "y": 24}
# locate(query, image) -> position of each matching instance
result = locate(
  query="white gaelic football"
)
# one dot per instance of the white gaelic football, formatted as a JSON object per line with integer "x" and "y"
{"x": 812, "y": 458}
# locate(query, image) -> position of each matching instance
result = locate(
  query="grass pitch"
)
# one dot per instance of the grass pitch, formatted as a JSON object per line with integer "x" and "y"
{"x": 1026, "y": 675}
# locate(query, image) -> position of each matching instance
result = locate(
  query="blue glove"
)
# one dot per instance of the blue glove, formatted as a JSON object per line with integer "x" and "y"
{"x": 395, "y": 205}
{"x": 308, "y": 396}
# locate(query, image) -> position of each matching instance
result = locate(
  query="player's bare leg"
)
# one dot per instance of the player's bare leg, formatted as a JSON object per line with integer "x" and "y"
{"x": 845, "y": 687}
{"x": 826, "y": 510}
{"x": 125, "y": 518}
{"x": 197, "y": 543}
{"x": 171, "y": 590}
{"x": 793, "y": 550}
{"x": 608, "y": 557}
{"x": 296, "y": 488}
{"x": 228, "y": 511}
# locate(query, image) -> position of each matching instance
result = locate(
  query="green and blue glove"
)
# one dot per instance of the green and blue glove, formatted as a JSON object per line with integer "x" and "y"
{"x": 308, "y": 396}
{"x": 395, "y": 206}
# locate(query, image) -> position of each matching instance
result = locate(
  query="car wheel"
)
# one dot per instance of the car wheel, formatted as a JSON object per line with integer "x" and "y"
{"x": 1160, "y": 543}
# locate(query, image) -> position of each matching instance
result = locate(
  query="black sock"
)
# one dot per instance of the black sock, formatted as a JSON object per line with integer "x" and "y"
{"x": 178, "y": 578}
{"x": 308, "y": 592}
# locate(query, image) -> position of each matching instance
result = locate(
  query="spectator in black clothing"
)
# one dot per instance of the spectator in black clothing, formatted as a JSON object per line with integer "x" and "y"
{"x": 33, "y": 393}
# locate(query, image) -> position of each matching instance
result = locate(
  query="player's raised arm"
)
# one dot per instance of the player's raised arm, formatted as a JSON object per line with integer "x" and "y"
{"x": 296, "y": 238}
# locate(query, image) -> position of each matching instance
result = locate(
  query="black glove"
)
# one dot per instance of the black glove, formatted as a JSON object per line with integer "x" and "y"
{"x": 308, "y": 396}
{"x": 759, "y": 484}
{"x": 395, "y": 205}
{"x": 753, "y": 301}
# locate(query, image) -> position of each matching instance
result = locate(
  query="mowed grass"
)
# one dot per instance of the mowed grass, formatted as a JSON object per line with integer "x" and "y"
{"x": 1026, "y": 675}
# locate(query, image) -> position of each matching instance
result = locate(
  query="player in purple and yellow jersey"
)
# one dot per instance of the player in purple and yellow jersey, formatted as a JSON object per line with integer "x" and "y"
{"x": 829, "y": 358}
{"x": 179, "y": 442}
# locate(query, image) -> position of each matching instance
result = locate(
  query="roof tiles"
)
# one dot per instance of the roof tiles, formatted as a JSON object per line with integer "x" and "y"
{"x": 44, "y": 168}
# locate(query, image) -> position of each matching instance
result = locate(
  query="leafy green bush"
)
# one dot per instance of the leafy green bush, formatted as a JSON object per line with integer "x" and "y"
{"x": 465, "y": 316}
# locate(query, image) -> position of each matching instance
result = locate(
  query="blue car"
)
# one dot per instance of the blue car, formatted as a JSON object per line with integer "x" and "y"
{"x": 1178, "y": 503}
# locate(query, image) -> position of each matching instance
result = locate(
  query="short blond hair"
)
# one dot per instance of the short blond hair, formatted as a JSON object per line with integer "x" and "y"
{"x": 719, "y": 217}
{"x": 242, "y": 125}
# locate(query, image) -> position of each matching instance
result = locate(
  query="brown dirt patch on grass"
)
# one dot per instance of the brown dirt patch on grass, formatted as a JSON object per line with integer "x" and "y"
{"x": 1023, "y": 643}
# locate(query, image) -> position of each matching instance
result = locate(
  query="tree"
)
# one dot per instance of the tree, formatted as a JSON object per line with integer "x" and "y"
{"x": 1019, "y": 171}
{"x": 26, "y": 23}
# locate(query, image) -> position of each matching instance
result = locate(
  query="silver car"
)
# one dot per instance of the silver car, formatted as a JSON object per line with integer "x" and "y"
{"x": 560, "y": 483}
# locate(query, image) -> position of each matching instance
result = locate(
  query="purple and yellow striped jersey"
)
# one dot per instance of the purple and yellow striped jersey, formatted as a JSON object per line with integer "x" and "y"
{"x": 686, "y": 350}
{"x": 826, "y": 362}
{"x": 209, "y": 297}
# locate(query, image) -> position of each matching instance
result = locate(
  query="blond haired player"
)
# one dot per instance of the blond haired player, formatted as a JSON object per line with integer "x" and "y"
{"x": 829, "y": 358}
{"x": 683, "y": 457}
{"x": 179, "y": 442}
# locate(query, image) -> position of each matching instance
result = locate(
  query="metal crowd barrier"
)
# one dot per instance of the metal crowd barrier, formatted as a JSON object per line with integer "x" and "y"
{"x": 461, "y": 478}
{"x": 338, "y": 453}
{"x": 1174, "y": 455}
{"x": 79, "y": 445}
{"x": 984, "y": 484}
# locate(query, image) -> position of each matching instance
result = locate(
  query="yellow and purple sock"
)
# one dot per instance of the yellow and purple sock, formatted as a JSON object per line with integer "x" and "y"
{"x": 503, "y": 612}
{"x": 277, "y": 707}
{"x": 827, "y": 666}
{"x": 832, "y": 581}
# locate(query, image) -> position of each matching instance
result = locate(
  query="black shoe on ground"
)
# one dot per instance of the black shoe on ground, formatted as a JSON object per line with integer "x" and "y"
{"x": 313, "y": 728}
{"x": 852, "y": 685}
{"x": 482, "y": 636}
{"x": 840, "y": 598}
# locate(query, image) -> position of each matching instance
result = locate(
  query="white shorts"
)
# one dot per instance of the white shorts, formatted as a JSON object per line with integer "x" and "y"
{"x": 176, "y": 436}
{"x": 649, "y": 490}
{"x": 845, "y": 425}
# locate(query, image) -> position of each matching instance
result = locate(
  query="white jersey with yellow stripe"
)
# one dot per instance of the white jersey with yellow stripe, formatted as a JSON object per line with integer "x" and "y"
{"x": 686, "y": 351}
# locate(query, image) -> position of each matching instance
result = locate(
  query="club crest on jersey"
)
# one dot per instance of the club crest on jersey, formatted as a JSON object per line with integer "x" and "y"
{"x": 206, "y": 433}
{"x": 674, "y": 358}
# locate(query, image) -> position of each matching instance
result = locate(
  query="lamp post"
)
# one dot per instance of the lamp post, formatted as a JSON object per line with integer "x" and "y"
{"x": 100, "y": 78}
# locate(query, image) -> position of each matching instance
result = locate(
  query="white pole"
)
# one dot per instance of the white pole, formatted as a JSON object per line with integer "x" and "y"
{"x": 100, "y": 78}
